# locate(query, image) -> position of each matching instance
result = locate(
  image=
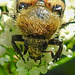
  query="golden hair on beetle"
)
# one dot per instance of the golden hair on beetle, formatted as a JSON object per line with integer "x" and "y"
{"x": 29, "y": 23}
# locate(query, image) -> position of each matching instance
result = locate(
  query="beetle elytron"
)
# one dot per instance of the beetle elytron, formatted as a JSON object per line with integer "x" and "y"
{"x": 39, "y": 20}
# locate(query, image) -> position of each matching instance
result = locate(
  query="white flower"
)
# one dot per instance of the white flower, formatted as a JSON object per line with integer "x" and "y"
{"x": 35, "y": 71}
{"x": 5, "y": 38}
{"x": 35, "y": 68}
{"x": 22, "y": 71}
{"x": 3, "y": 59}
{"x": 51, "y": 64}
{"x": 9, "y": 30}
{"x": 6, "y": 20}
{"x": 11, "y": 6}
{"x": 43, "y": 69}
{"x": 69, "y": 12}
{"x": 72, "y": 3}
{"x": 30, "y": 66}
{"x": 67, "y": 33}
{"x": 68, "y": 53}
{"x": 20, "y": 64}
{"x": 2, "y": 51}
{"x": 3, "y": 2}
{"x": 68, "y": 15}
{"x": 68, "y": 3}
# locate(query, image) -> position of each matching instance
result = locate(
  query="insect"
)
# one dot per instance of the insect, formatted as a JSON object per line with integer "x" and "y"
{"x": 38, "y": 21}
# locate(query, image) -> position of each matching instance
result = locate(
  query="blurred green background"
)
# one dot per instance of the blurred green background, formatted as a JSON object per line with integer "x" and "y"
{"x": 67, "y": 68}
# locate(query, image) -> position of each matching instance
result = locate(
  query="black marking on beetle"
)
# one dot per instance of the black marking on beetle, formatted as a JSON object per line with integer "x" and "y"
{"x": 24, "y": 5}
{"x": 63, "y": 1}
{"x": 58, "y": 9}
{"x": 36, "y": 36}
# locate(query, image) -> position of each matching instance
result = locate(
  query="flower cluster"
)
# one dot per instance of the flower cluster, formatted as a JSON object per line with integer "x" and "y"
{"x": 68, "y": 31}
{"x": 8, "y": 28}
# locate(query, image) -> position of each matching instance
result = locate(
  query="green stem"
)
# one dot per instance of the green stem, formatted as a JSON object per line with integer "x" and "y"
{"x": 4, "y": 9}
{"x": 12, "y": 57}
{"x": 64, "y": 60}
{"x": 11, "y": 51}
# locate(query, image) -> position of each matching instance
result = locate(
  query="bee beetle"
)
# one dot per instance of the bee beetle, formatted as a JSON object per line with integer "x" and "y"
{"x": 38, "y": 21}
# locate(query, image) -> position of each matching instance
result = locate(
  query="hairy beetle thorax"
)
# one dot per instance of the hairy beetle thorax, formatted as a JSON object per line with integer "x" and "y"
{"x": 38, "y": 20}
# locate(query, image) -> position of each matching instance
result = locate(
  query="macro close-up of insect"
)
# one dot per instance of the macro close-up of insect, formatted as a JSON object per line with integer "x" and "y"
{"x": 36, "y": 34}
{"x": 39, "y": 20}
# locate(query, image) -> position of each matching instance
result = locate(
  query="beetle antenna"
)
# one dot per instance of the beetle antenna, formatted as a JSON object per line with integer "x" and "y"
{"x": 65, "y": 24}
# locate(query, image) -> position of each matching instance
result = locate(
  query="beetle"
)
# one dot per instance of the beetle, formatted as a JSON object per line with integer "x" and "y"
{"x": 39, "y": 21}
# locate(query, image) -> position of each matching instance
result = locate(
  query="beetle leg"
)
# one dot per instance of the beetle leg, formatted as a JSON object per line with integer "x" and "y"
{"x": 65, "y": 24}
{"x": 17, "y": 38}
{"x": 40, "y": 61}
{"x": 26, "y": 46}
{"x": 57, "y": 42}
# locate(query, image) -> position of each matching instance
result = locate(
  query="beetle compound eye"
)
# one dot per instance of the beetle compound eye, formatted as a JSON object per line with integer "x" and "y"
{"x": 57, "y": 6}
{"x": 24, "y": 4}
{"x": 57, "y": 9}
